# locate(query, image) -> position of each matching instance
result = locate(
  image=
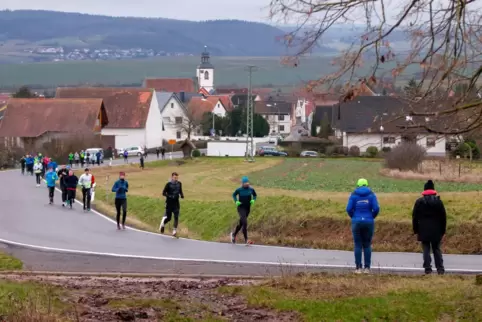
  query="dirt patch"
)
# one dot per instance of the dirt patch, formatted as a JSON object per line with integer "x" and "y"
{"x": 149, "y": 299}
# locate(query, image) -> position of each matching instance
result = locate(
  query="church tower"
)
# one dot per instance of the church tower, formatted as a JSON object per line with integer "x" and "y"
{"x": 205, "y": 72}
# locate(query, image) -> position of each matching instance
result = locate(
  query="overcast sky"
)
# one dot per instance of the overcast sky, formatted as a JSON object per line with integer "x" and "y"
{"x": 252, "y": 10}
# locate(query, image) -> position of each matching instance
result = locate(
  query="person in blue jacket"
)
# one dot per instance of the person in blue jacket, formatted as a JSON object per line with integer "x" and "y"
{"x": 29, "y": 162}
{"x": 51, "y": 178}
{"x": 244, "y": 197}
{"x": 121, "y": 187}
{"x": 363, "y": 208}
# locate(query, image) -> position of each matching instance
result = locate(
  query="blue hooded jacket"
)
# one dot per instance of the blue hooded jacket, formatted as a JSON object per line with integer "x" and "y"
{"x": 120, "y": 188}
{"x": 52, "y": 164}
{"x": 29, "y": 160}
{"x": 51, "y": 177}
{"x": 362, "y": 205}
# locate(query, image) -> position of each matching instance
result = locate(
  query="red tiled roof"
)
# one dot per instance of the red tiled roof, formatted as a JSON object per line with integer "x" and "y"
{"x": 199, "y": 106}
{"x": 127, "y": 108}
{"x": 225, "y": 100}
{"x": 231, "y": 90}
{"x": 31, "y": 117}
{"x": 175, "y": 85}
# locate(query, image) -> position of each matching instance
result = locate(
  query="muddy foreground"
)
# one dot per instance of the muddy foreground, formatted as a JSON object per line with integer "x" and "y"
{"x": 149, "y": 299}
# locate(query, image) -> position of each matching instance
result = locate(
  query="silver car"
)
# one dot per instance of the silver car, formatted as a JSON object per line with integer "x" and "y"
{"x": 310, "y": 154}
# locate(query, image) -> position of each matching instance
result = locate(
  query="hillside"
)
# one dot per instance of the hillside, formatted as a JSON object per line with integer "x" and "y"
{"x": 23, "y": 32}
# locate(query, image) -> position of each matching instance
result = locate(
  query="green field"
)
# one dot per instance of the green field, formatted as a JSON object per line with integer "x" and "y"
{"x": 301, "y": 202}
{"x": 229, "y": 71}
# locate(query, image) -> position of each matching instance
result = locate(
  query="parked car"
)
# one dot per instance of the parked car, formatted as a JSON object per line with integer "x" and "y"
{"x": 311, "y": 154}
{"x": 135, "y": 150}
{"x": 271, "y": 151}
{"x": 94, "y": 151}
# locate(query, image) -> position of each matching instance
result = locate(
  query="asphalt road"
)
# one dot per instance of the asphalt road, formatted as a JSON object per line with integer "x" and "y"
{"x": 28, "y": 221}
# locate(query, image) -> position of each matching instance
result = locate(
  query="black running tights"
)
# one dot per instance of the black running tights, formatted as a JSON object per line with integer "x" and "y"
{"x": 121, "y": 203}
{"x": 243, "y": 222}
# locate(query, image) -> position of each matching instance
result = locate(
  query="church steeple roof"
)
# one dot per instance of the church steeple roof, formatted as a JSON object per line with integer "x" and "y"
{"x": 205, "y": 60}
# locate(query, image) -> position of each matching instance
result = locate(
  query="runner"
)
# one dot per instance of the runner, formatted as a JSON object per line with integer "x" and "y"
{"x": 45, "y": 162}
{"x": 37, "y": 169}
{"x": 29, "y": 162}
{"x": 157, "y": 152}
{"x": 82, "y": 158}
{"x": 244, "y": 197}
{"x": 363, "y": 208}
{"x": 62, "y": 174}
{"x": 87, "y": 182}
{"x": 51, "y": 177}
{"x": 121, "y": 187}
{"x": 71, "y": 182}
{"x": 52, "y": 164}
{"x": 23, "y": 161}
{"x": 71, "y": 159}
{"x": 172, "y": 191}
{"x": 77, "y": 158}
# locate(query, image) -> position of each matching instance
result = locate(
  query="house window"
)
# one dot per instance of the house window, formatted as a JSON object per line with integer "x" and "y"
{"x": 172, "y": 105}
{"x": 179, "y": 120}
{"x": 431, "y": 141}
{"x": 389, "y": 140}
{"x": 281, "y": 128}
{"x": 409, "y": 138}
{"x": 281, "y": 117}
{"x": 178, "y": 134}
{"x": 206, "y": 75}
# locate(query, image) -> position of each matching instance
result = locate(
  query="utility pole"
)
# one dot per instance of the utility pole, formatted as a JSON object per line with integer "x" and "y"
{"x": 250, "y": 147}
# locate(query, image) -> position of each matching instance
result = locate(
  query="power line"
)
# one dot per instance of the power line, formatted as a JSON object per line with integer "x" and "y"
{"x": 250, "y": 148}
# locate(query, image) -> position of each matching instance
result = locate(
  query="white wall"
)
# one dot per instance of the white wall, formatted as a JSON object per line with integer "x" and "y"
{"x": 153, "y": 131}
{"x": 221, "y": 149}
{"x": 364, "y": 140}
{"x": 125, "y": 138}
{"x": 228, "y": 138}
{"x": 172, "y": 110}
{"x": 274, "y": 123}
{"x": 208, "y": 84}
{"x": 219, "y": 109}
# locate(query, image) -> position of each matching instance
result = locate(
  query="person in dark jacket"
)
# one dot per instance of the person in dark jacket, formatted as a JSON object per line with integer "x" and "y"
{"x": 244, "y": 197}
{"x": 172, "y": 191}
{"x": 22, "y": 163}
{"x": 141, "y": 162}
{"x": 121, "y": 187}
{"x": 71, "y": 182}
{"x": 62, "y": 174}
{"x": 429, "y": 221}
{"x": 363, "y": 208}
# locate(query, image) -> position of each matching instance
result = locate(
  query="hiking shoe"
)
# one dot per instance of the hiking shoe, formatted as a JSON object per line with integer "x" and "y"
{"x": 366, "y": 271}
{"x": 358, "y": 271}
{"x": 233, "y": 239}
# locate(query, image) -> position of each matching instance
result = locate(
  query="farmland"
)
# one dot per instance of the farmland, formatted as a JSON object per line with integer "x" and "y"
{"x": 301, "y": 202}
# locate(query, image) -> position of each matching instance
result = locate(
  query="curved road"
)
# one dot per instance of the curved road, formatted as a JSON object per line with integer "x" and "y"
{"x": 28, "y": 222}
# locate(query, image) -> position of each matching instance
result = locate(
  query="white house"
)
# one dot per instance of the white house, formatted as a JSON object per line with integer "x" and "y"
{"x": 173, "y": 116}
{"x": 205, "y": 72}
{"x": 374, "y": 121}
{"x": 277, "y": 114}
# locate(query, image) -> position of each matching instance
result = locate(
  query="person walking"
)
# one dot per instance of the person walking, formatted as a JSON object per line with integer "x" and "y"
{"x": 71, "y": 182}
{"x": 244, "y": 197}
{"x": 82, "y": 158}
{"x": 71, "y": 159}
{"x": 37, "y": 169}
{"x": 429, "y": 221}
{"x": 141, "y": 162}
{"x": 363, "y": 208}
{"x": 62, "y": 174}
{"x": 29, "y": 162}
{"x": 51, "y": 178}
{"x": 77, "y": 158}
{"x": 126, "y": 156}
{"x": 121, "y": 187}
{"x": 87, "y": 182}
{"x": 97, "y": 157}
{"x": 23, "y": 161}
{"x": 157, "y": 152}
{"x": 163, "y": 152}
{"x": 172, "y": 191}
{"x": 93, "y": 157}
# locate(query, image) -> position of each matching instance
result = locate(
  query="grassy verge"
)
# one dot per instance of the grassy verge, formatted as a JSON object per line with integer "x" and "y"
{"x": 9, "y": 263}
{"x": 369, "y": 298}
{"x": 300, "y": 218}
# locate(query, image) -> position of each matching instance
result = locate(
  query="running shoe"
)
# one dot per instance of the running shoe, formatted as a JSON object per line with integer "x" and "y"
{"x": 174, "y": 233}
{"x": 233, "y": 239}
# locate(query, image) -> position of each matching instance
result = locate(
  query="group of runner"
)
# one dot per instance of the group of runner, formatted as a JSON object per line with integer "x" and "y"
{"x": 81, "y": 158}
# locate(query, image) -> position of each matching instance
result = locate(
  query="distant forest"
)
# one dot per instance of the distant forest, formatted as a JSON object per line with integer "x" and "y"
{"x": 74, "y": 30}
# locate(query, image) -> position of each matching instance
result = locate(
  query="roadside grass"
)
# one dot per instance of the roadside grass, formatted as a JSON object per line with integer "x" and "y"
{"x": 368, "y": 298}
{"x": 9, "y": 263}
{"x": 281, "y": 216}
{"x": 30, "y": 302}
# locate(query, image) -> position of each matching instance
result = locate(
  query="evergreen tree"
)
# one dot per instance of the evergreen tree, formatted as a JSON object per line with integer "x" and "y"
{"x": 412, "y": 89}
{"x": 24, "y": 92}
{"x": 313, "y": 128}
{"x": 325, "y": 127}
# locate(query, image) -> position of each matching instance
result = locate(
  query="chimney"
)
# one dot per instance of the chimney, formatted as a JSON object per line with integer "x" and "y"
{"x": 182, "y": 97}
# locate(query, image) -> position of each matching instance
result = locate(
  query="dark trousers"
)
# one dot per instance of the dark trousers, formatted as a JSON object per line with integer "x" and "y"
{"x": 30, "y": 169}
{"x": 64, "y": 193}
{"x": 125, "y": 159}
{"x": 86, "y": 197}
{"x": 362, "y": 238}
{"x": 71, "y": 196}
{"x": 82, "y": 162}
{"x": 71, "y": 162}
{"x": 243, "y": 213}
{"x": 23, "y": 169}
{"x": 142, "y": 163}
{"x": 121, "y": 203}
{"x": 37, "y": 177}
{"x": 437, "y": 255}
{"x": 163, "y": 156}
{"x": 51, "y": 194}
{"x": 98, "y": 161}
{"x": 168, "y": 214}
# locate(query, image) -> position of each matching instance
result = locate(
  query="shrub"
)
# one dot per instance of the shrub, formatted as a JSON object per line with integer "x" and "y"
{"x": 404, "y": 157}
{"x": 196, "y": 153}
{"x": 474, "y": 148}
{"x": 386, "y": 149}
{"x": 354, "y": 151}
{"x": 329, "y": 150}
{"x": 340, "y": 150}
{"x": 372, "y": 151}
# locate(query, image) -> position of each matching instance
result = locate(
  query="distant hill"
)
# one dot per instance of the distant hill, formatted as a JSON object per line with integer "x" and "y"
{"x": 22, "y": 30}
